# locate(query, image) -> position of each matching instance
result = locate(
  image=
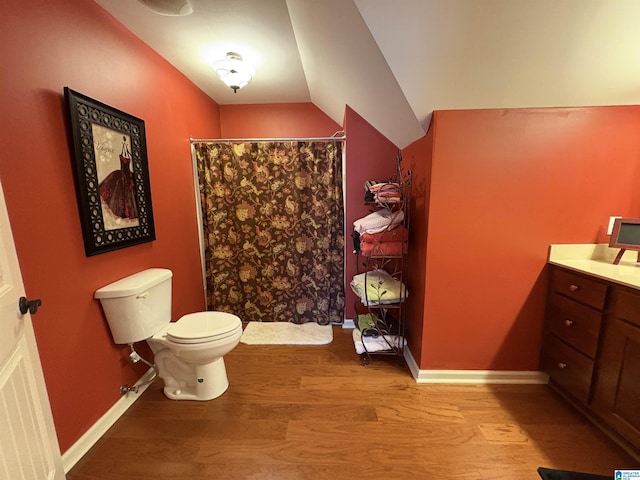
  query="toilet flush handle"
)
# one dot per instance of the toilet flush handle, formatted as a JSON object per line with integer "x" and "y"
{"x": 143, "y": 295}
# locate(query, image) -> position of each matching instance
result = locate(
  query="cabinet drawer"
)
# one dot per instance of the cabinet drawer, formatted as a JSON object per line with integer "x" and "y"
{"x": 625, "y": 305}
{"x": 568, "y": 368}
{"x": 584, "y": 290}
{"x": 576, "y": 324}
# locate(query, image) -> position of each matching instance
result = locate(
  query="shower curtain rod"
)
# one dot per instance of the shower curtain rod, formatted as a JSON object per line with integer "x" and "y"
{"x": 228, "y": 140}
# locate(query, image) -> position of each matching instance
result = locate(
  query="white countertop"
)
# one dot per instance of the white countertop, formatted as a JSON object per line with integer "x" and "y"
{"x": 597, "y": 260}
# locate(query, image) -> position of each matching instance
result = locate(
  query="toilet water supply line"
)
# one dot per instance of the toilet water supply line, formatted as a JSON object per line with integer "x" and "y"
{"x": 135, "y": 358}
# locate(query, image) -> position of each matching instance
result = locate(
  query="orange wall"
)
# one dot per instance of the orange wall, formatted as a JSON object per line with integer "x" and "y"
{"x": 418, "y": 159}
{"x": 504, "y": 185}
{"x": 46, "y": 45}
{"x": 369, "y": 156}
{"x": 283, "y": 120}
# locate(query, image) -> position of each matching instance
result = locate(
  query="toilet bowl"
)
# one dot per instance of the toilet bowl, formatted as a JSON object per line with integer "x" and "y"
{"x": 188, "y": 354}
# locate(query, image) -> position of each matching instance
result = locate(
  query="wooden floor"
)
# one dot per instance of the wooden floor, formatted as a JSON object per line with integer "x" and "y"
{"x": 315, "y": 413}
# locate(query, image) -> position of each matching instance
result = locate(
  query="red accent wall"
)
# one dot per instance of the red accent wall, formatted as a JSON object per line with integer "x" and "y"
{"x": 418, "y": 159}
{"x": 504, "y": 184}
{"x": 46, "y": 45}
{"x": 369, "y": 156}
{"x": 282, "y": 120}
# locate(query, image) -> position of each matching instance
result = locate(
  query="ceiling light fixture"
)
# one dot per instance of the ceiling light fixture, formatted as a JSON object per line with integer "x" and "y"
{"x": 233, "y": 71}
{"x": 173, "y": 8}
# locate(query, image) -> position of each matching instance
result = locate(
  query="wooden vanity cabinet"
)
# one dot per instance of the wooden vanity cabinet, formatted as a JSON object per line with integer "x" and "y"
{"x": 617, "y": 385}
{"x": 591, "y": 351}
{"x": 572, "y": 330}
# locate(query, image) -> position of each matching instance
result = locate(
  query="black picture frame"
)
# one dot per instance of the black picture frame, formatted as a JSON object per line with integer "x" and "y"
{"x": 111, "y": 173}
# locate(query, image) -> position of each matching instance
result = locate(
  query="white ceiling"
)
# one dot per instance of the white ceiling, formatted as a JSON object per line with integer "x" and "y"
{"x": 396, "y": 61}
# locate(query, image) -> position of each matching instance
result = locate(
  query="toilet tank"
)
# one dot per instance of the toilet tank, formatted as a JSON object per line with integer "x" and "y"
{"x": 137, "y": 306}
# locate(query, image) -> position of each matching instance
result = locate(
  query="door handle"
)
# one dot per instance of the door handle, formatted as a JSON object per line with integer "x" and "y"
{"x": 30, "y": 306}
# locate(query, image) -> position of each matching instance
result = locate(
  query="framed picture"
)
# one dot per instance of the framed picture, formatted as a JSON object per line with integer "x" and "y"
{"x": 111, "y": 174}
{"x": 625, "y": 236}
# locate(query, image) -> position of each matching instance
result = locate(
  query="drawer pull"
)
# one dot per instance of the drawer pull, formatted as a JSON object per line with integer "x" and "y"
{"x": 568, "y": 322}
{"x": 562, "y": 365}
{"x": 574, "y": 288}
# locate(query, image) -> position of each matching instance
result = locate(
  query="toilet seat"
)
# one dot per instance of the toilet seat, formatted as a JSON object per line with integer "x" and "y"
{"x": 203, "y": 327}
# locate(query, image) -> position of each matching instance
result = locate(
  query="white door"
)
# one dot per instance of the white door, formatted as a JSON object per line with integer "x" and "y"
{"x": 28, "y": 444}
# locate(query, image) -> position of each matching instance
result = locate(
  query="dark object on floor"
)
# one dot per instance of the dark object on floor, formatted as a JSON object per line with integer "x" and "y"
{"x": 551, "y": 474}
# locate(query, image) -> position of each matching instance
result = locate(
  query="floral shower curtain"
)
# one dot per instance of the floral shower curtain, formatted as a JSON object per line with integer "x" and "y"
{"x": 273, "y": 229}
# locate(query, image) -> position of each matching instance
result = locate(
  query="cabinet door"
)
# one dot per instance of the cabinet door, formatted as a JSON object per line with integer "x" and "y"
{"x": 617, "y": 394}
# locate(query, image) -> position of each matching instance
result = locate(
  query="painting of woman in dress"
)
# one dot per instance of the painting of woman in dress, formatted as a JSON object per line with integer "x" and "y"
{"x": 117, "y": 188}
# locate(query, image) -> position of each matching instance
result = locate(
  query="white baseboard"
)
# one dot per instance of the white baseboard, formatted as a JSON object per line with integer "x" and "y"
{"x": 411, "y": 363}
{"x": 98, "y": 429}
{"x": 348, "y": 323}
{"x": 473, "y": 376}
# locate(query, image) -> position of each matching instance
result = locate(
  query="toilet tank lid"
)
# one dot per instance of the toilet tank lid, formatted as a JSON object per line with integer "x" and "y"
{"x": 134, "y": 284}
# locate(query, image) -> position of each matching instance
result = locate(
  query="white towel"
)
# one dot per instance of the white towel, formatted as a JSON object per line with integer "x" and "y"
{"x": 378, "y": 221}
{"x": 378, "y": 287}
{"x": 375, "y": 344}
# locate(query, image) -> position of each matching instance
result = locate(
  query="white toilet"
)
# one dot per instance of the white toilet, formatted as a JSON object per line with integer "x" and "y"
{"x": 188, "y": 353}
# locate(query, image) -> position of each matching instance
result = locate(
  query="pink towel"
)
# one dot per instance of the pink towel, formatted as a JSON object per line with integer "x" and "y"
{"x": 397, "y": 234}
{"x": 383, "y": 248}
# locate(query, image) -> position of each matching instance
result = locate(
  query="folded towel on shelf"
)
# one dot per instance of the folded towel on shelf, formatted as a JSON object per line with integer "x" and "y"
{"x": 367, "y": 323}
{"x": 383, "y": 248}
{"x": 378, "y": 287}
{"x": 376, "y": 344}
{"x": 378, "y": 221}
{"x": 371, "y": 325}
{"x": 386, "y": 192}
{"x": 369, "y": 196}
{"x": 396, "y": 234}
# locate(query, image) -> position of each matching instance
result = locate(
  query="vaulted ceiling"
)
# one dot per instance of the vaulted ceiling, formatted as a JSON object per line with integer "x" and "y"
{"x": 395, "y": 62}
